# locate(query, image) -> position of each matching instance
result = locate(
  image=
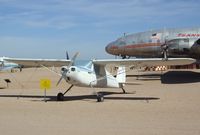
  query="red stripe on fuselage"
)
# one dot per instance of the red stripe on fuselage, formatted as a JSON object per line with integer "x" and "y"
{"x": 142, "y": 45}
{"x": 114, "y": 47}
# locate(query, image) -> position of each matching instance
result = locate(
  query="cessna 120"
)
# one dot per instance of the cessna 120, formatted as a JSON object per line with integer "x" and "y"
{"x": 164, "y": 43}
{"x": 95, "y": 73}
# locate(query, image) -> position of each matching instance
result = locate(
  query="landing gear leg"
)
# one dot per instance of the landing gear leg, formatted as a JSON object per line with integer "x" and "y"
{"x": 165, "y": 52}
{"x": 100, "y": 97}
{"x": 123, "y": 90}
{"x": 60, "y": 96}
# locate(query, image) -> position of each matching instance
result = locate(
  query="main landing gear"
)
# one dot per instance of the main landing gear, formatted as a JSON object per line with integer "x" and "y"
{"x": 100, "y": 97}
{"x": 165, "y": 48}
{"x": 123, "y": 90}
{"x": 60, "y": 96}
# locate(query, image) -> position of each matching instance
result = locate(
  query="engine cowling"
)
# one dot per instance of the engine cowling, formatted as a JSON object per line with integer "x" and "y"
{"x": 179, "y": 47}
{"x": 195, "y": 50}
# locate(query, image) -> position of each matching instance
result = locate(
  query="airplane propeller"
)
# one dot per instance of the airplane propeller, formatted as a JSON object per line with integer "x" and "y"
{"x": 62, "y": 76}
{"x": 65, "y": 69}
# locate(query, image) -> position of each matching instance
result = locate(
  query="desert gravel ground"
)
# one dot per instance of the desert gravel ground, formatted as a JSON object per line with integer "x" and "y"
{"x": 154, "y": 105}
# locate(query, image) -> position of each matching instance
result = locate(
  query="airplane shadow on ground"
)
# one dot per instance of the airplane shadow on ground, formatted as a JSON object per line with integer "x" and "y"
{"x": 146, "y": 77}
{"x": 84, "y": 97}
{"x": 171, "y": 77}
{"x": 178, "y": 77}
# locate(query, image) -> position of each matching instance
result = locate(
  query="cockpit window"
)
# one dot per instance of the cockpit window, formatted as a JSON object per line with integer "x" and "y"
{"x": 121, "y": 42}
{"x": 73, "y": 69}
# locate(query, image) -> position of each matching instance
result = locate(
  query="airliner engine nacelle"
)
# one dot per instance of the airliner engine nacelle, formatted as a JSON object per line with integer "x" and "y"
{"x": 195, "y": 50}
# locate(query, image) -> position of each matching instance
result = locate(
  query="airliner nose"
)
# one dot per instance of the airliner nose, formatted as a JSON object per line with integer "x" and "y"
{"x": 109, "y": 48}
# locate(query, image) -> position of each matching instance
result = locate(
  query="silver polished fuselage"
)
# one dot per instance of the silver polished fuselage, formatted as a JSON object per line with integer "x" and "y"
{"x": 181, "y": 43}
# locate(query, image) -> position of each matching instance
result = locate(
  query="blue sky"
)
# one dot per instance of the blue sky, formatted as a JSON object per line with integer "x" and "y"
{"x": 47, "y": 28}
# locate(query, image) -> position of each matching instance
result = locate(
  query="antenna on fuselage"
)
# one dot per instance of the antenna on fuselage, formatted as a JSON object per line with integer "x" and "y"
{"x": 124, "y": 34}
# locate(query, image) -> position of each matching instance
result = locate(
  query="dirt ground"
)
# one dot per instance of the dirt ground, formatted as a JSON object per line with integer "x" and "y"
{"x": 154, "y": 105}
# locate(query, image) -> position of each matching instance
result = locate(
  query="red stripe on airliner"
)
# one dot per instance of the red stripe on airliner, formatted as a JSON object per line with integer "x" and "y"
{"x": 142, "y": 45}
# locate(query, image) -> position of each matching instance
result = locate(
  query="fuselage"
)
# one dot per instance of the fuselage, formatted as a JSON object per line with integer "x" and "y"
{"x": 4, "y": 65}
{"x": 83, "y": 77}
{"x": 181, "y": 43}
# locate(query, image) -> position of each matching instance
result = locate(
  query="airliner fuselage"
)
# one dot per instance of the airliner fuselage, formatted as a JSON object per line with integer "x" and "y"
{"x": 180, "y": 43}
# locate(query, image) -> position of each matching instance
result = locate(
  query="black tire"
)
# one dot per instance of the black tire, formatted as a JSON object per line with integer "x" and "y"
{"x": 60, "y": 97}
{"x": 100, "y": 98}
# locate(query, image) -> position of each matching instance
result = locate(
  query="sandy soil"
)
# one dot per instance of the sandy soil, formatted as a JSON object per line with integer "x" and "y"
{"x": 155, "y": 105}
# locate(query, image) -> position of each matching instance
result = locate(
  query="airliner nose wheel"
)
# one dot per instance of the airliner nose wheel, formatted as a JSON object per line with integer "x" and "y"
{"x": 100, "y": 97}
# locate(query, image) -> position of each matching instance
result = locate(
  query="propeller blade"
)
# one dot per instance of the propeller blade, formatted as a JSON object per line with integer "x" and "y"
{"x": 59, "y": 80}
{"x": 73, "y": 59}
{"x": 70, "y": 64}
{"x": 75, "y": 56}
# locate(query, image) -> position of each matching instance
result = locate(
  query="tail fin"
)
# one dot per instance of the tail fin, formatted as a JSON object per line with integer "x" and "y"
{"x": 121, "y": 75}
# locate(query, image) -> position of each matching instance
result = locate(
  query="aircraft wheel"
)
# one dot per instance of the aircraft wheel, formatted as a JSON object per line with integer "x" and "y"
{"x": 100, "y": 98}
{"x": 60, "y": 97}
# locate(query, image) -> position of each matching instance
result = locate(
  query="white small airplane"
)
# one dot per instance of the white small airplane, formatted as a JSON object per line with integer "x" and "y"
{"x": 95, "y": 74}
{"x": 5, "y": 65}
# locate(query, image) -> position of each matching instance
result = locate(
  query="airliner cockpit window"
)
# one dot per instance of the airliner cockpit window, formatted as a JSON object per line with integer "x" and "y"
{"x": 121, "y": 43}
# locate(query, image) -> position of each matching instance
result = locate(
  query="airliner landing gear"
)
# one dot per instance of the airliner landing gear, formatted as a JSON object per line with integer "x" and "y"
{"x": 100, "y": 97}
{"x": 165, "y": 51}
{"x": 60, "y": 96}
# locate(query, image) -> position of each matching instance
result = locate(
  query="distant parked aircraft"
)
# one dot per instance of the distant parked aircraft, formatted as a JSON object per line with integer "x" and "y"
{"x": 5, "y": 65}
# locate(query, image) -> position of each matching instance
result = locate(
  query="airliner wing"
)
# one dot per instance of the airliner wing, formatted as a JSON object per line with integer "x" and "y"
{"x": 145, "y": 62}
{"x": 38, "y": 62}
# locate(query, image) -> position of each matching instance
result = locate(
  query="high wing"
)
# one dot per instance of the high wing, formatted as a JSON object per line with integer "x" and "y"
{"x": 145, "y": 62}
{"x": 38, "y": 62}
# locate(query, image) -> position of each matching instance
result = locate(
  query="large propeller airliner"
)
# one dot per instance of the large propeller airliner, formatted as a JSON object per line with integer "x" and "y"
{"x": 177, "y": 42}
